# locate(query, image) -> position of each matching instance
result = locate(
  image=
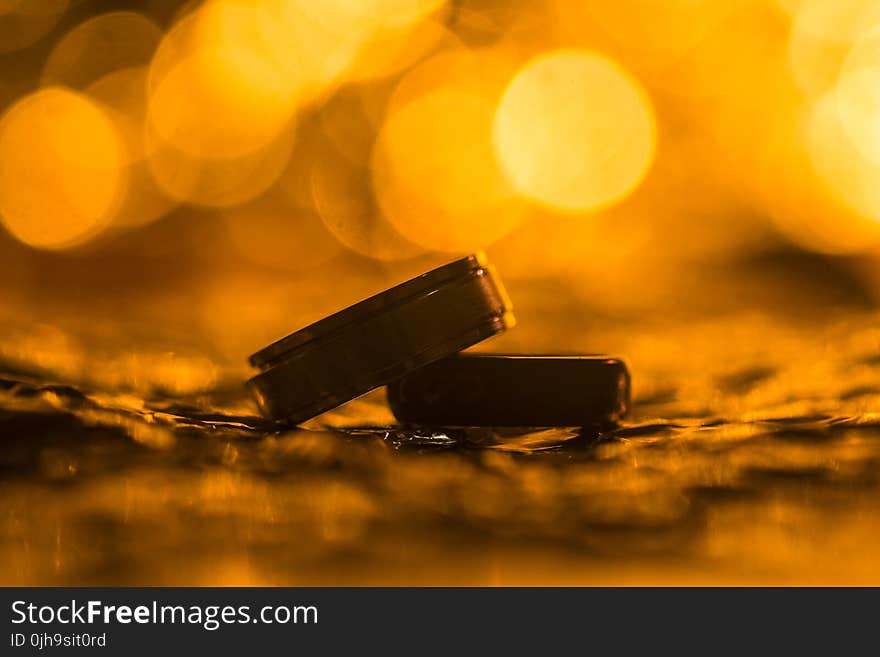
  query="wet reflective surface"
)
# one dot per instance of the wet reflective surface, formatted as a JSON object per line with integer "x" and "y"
{"x": 753, "y": 456}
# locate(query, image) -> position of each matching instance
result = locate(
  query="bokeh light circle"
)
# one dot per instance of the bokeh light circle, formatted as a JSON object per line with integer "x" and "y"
{"x": 270, "y": 231}
{"x": 434, "y": 172}
{"x": 858, "y": 95}
{"x": 847, "y": 177}
{"x": 326, "y": 41}
{"x": 575, "y": 131}
{"x": 216, "y": 90}
{"x": 216, "y": 182}
{"x": 198, "y": 111}
{"x": 99, "y": 46}
{"x": 122, "y": 95}
{"x": 61, "y": 169}
{"x": 822, "y": 34}
{"x": 342, "y": 196}
{"x": 435, "y": 176}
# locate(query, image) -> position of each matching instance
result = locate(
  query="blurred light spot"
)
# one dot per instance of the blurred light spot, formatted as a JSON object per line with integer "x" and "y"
{"x": 391, "y": 51}
{"x": 215, "y": 91}
{"x": 201, "y": 112}
{"x": 269, "y": 231}
{"x": 348, "y": 120}
{"x": 332, "y": 175}
{"x": 344, "y": 200}
{"x": 243, "y": 64}
{"x": 221, "y": 106}
{"x": 123, "y": 95}
{"x": 341, "y": 17}
{"x": 789, "y": 8}
{"x": 655, "y": 33}
{"x": 821, "y": 36}
{"x": 575, "y": 131}
{"x": 858, "y": 95}
{"x": 306, "y": 50}
{"x": 24, "y": 22}
{"x": 789, "y": 189}
{"x": 850, "y": 178}
{"x": 61, "y": 163}
{"x": 100, "y": 45}
{"x": 483, "y": 72}
{"x": 179, "y": 42}
{"x": 435, "y": 175}
{"x": 858, "y": 103}
{"x": 322, "y": 42}
{"x": 752, "y": 76}
{"x": 217, "y": 182}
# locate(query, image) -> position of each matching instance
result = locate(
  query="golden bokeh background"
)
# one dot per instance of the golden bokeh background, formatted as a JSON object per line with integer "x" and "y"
{"x": 692, "y": 183}
{"x": 258, "y": 145}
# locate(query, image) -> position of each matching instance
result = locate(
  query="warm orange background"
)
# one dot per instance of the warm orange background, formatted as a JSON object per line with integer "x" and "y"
{"x": 180, "y": 165}
{"x": 694, "y": 184}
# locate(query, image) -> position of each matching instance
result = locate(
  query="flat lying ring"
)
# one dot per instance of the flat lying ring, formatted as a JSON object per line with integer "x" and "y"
{"x": 481, "y": 390}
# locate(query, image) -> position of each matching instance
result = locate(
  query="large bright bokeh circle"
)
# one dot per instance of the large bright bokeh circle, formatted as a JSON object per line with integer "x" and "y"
{"x": 61, "y": 169}
{"x": 434, "y": 172}
{"x": 822, "y": 34}
{"x": 435, "y": 176}
{"x": 574, "y": 131}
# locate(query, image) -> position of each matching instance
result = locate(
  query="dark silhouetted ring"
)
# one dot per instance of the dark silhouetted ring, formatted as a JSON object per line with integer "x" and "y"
{"x": 380, "y": 339}
{"x": 485, "y": 390}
